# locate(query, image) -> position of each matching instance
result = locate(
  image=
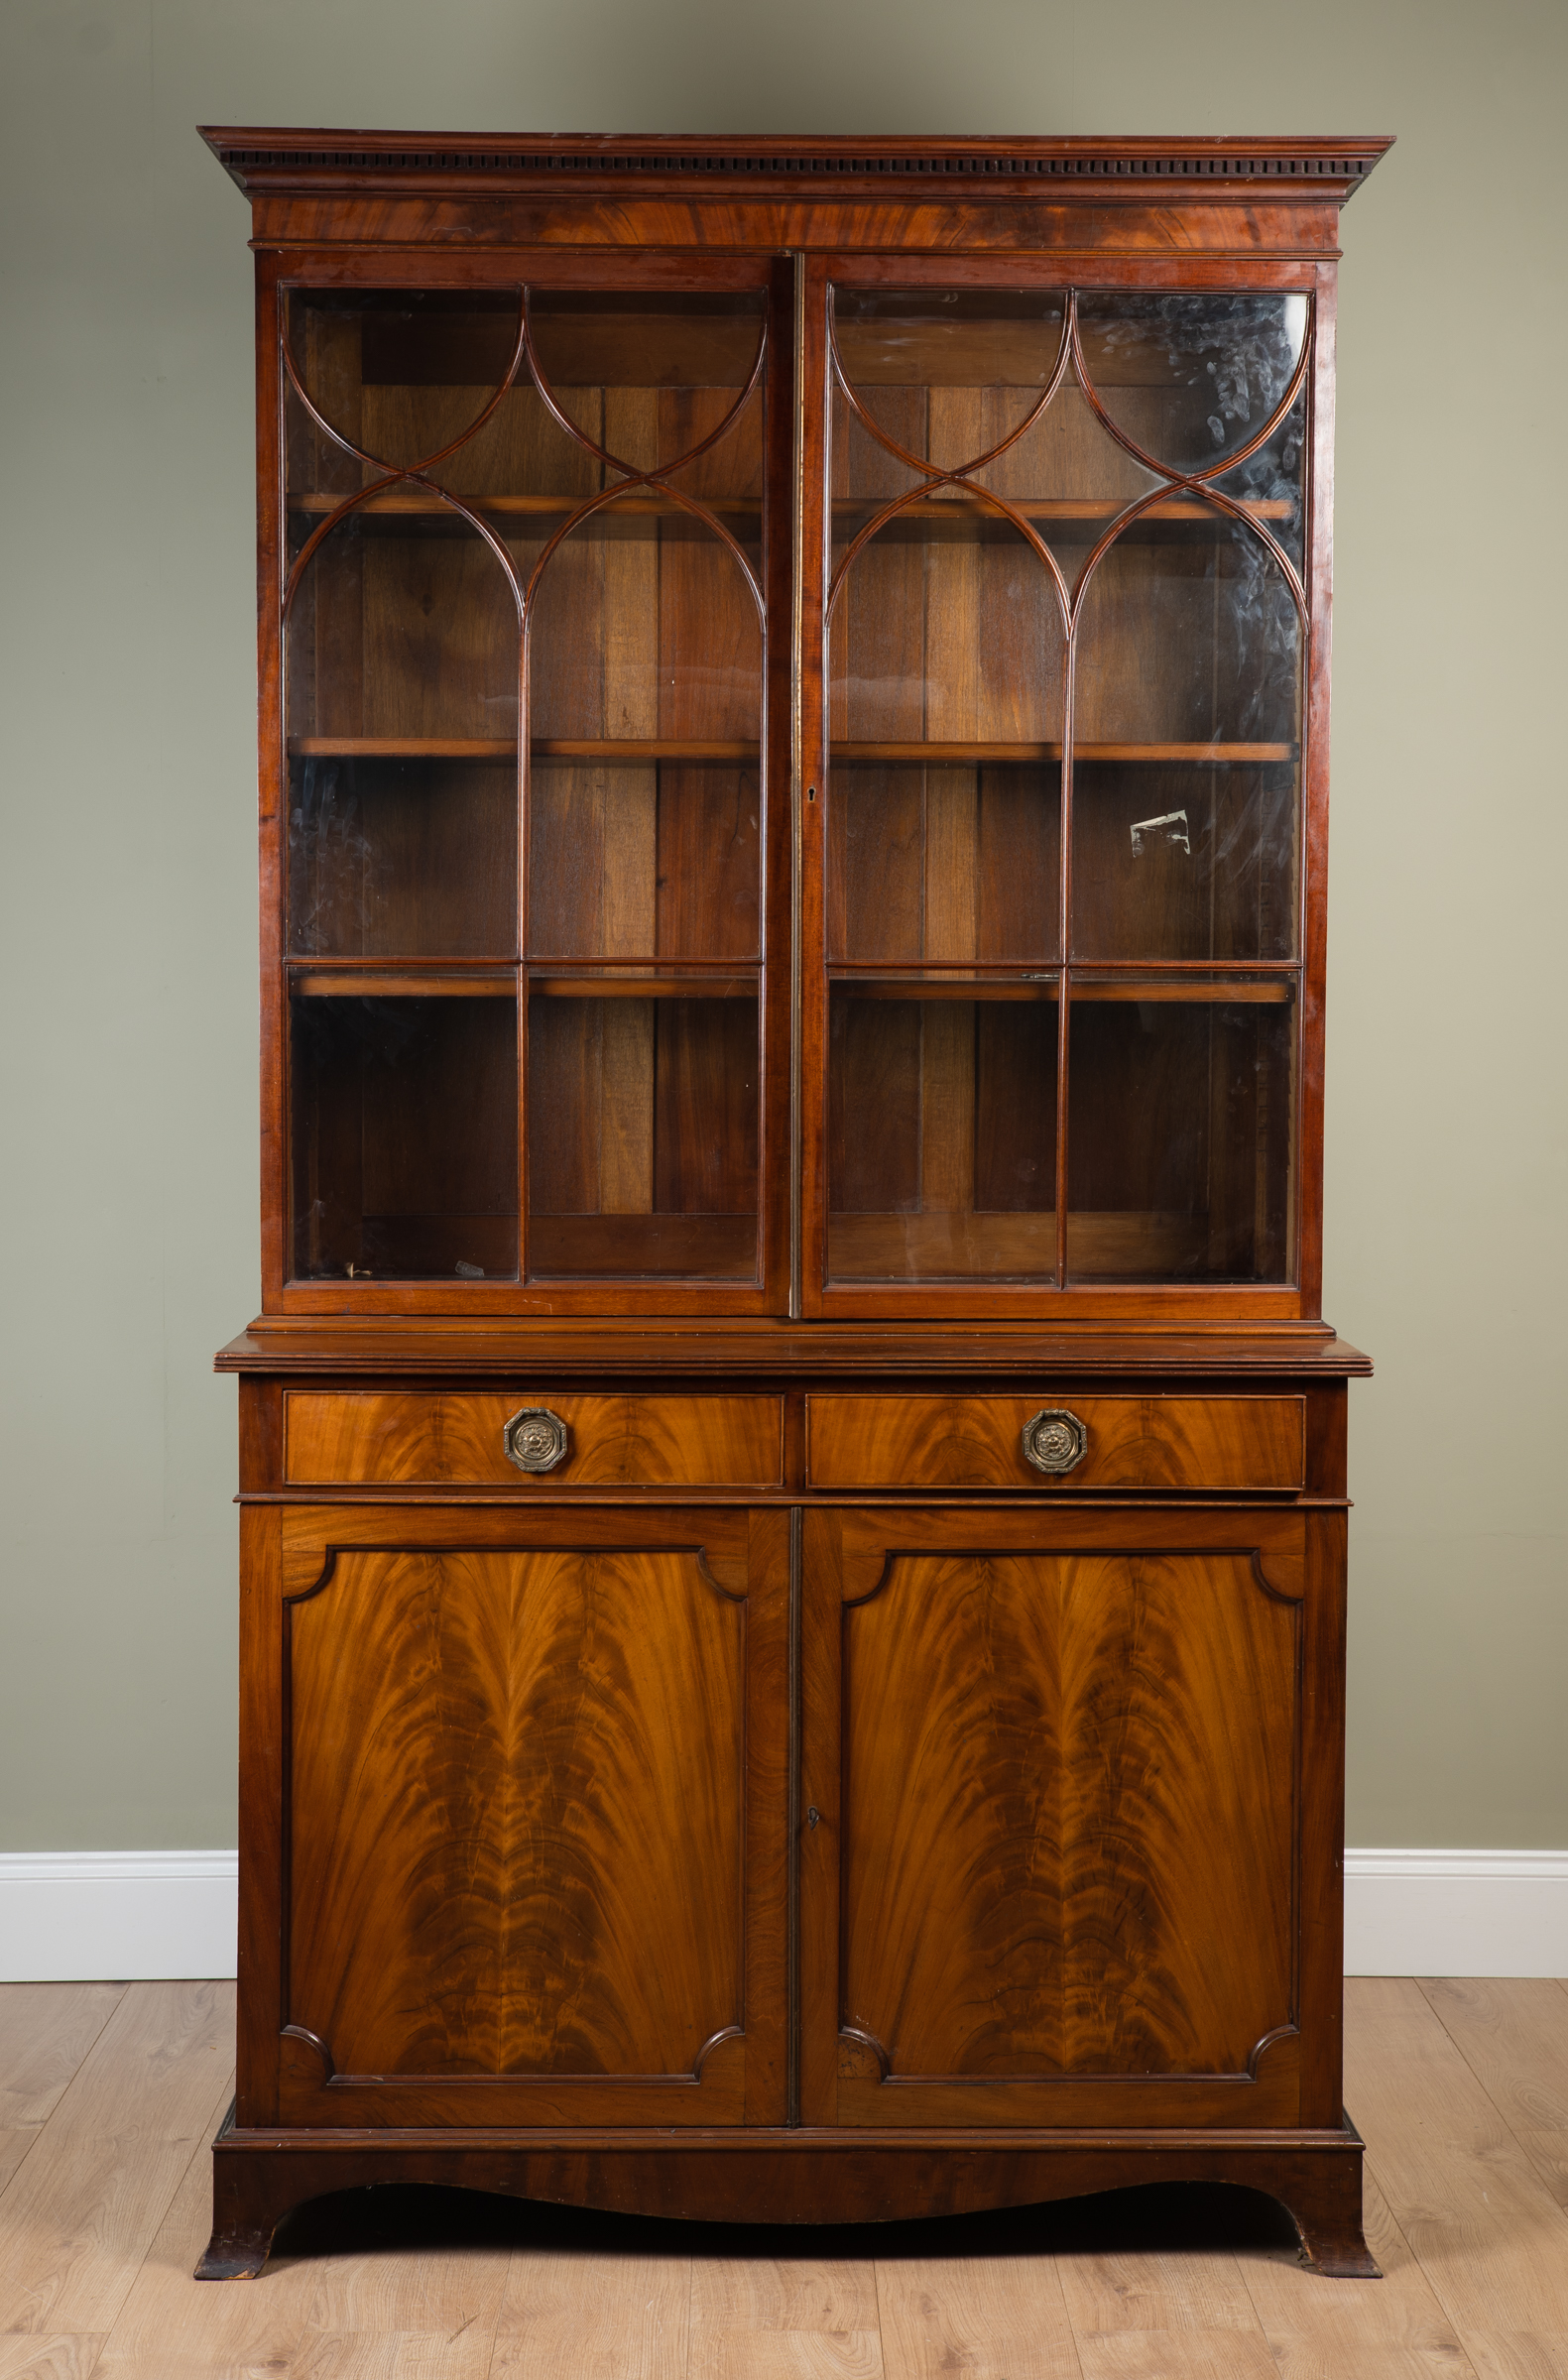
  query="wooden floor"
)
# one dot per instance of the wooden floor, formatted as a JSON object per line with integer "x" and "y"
{"x": 109, "y": 2094}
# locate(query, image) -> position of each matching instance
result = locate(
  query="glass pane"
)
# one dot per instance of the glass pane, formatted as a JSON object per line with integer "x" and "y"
{"x": 638, "y": 861}
{"x": 643, "y": 627}
{"x": 399, "y": 373}
{"x": 1186, "y": 754}
{"x": 943, "y": 864}
{"x": 402, "y": 858}
{"x": 1273, "y": 482}
{"x": 645, "y": 676}
{"x": 941, "y": 1132}
{"x": 405, "y": 1140}
{"x": 642, "y": 1133}
{"x": 649, "y": 378}
{"x": 1069, "y": 479}
{"x": 1190, "y": 379}
{"x": 403, "y": 627}
{"x": 945, "y": 374}
{"x": 1181, "y": 1129}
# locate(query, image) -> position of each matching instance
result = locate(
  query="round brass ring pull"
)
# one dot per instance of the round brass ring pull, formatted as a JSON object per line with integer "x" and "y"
{"x": 1055, "y": 1440}
{"x": 536, "y": 1439}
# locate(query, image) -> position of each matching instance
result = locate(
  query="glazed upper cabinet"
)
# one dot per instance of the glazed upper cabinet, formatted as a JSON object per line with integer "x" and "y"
{"x": 796, "y": 789}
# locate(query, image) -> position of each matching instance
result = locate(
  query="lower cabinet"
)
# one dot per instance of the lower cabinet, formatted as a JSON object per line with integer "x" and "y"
{"x": 522, "y": 1830}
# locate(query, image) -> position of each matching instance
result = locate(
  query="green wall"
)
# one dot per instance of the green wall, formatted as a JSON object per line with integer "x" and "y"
{"x": 128, "y": 1101}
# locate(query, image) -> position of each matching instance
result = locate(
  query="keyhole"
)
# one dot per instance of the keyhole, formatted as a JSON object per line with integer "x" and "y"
{"x": 812, "y": 1816}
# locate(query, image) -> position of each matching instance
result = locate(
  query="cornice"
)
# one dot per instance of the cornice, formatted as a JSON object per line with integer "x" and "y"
{"x": 263, "y": 158}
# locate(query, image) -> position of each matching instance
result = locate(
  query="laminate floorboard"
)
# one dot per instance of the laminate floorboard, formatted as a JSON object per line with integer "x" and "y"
{"x": 109, "y": 2095}
{"x": 1513, "y": 2036}
{"x": 1488, "y": 2233}
{"x": 81, "y": 2209}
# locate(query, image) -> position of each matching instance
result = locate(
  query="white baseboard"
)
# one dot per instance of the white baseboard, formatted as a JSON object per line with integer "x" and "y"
{"x": 70, "y": 1917}
{"x": 1456, "y": 1913}
{"x": 75, "y": 1916}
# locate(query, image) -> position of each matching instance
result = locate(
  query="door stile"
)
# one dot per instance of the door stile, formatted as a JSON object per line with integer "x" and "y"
{"x": 814, "y": 533}
{"x": 779, "y": 1222}
{"x": 817, "y": 1824}
{"x": 272, "y": 778}
{"x": 1313, "y": 890}
{"x": 261, "y": 1946}
{"x": 1321, "y": 1808}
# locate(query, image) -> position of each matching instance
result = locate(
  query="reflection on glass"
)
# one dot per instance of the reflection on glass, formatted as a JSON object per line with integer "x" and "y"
{"x": 402, "y": 858}
{"x": 404, "y": 1139}
{"x": 1180, "y": 1149}
{"x": 1271, "y": 483}
{"x": 941, "y": 1132}
{"x": 642, "y": 1137}
{"x": 1186, "y": 761}
{"x": 1183, "y": 863}
{"x": 1192, "y": 378}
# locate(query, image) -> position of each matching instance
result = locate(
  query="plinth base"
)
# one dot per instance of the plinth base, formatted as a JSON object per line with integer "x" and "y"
{"x": 775, "y": 2177}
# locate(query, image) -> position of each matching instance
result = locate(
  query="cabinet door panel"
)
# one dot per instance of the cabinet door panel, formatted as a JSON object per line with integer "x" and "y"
{"x": 1067, "y": 1816}
{"x": 533, "y": 1778}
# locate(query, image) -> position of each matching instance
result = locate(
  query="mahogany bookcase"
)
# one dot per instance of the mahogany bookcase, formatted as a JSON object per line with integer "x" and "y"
{"x": 793, "y": 1479}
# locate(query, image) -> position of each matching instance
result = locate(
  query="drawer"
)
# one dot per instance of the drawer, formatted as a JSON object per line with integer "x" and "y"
{"x": 400, "y": 1438}
{"x": 1212, "y": 1442}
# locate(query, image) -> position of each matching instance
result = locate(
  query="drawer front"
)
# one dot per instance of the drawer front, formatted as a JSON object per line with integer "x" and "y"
{"x": 426, "y": 1439}
{"x": 1203, "y": 1442}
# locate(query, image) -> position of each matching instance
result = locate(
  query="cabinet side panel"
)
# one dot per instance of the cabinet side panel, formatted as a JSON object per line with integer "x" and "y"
{"x": 1323, "y": 1819}
{"x": 260, "y": 1798}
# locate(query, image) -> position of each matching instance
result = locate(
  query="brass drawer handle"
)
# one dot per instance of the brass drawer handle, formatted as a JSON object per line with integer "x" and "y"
{"x": 536, "y": 1439}
{"x": 1055, "y": 1440}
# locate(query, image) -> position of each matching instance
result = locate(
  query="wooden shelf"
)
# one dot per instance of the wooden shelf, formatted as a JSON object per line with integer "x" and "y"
{"x": 439, "y": 979}
{"x": 399, "y": 979}
{"x": 657, "y": 748}
{"x": 623, "y": 752}
{"x": 960, "y": 756}
{"x": 665, "y": 983}
{"x": 402, "y": 747}
{"x": 1065, "y": 510}
{"x": 629, "y": 750}
{"x": 417, "y": 504}
{"x": 925, "y": 987}
{"x": 698, "y": 1246}
{"x": 1200, "y": 991}
{"x": 961, "y": 1242}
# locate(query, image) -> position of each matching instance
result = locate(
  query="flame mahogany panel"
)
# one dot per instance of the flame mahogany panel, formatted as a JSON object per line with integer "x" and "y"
{"x": 408, "y": 1439}
{"x": 527, "y": 1781}
{"x": 1068, "y": 1804}
{"x": 1214, "y": 1443}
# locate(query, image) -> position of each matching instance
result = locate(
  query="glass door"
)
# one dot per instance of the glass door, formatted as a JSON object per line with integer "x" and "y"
{"x": 1061, "y": 834}
{"x": 536, "y": 542}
